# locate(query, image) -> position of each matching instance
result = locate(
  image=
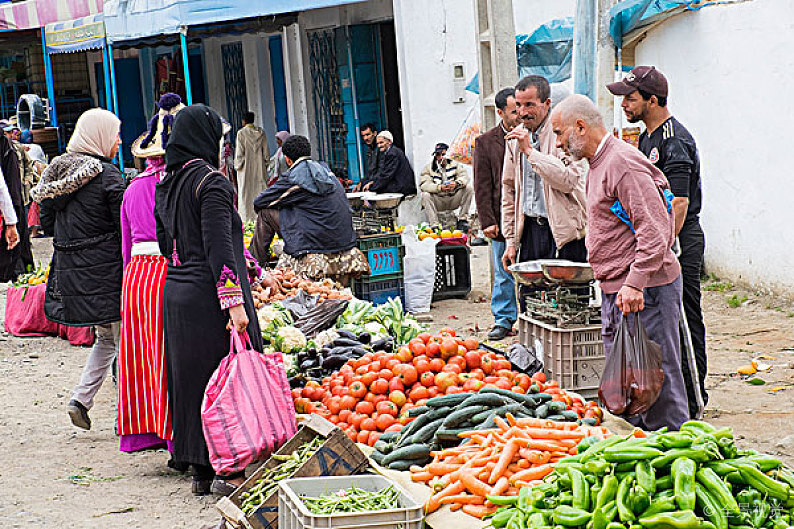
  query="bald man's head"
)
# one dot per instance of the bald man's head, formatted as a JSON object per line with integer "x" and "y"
{"x": 578, "y": 125}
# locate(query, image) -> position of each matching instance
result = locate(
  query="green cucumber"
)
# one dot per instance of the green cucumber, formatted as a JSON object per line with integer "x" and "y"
{"x": 542, "y": 411}
{"x": 378, "y": 457}
{"x": 383, "y": 446}
{"x": 464, "y": 414}
{"x": 426, "y": 432}
{"x": 570, "y": 415}
{"x": 556, "y": 406}
{"x": 444, "y": 434}
{"x": 419, "y": 410}
{"x": 390, "y": 436}
{"x": 482, "y": 399}
{"x": 448, "y": 400}
{"x": 440, "y": 413}
{"x": 542, "y": 397}
{"x": 411, "y": 452}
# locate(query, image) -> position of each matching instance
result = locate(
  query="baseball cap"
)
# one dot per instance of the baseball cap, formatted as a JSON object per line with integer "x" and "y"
{"x": 645, "y": 78}
{"x": 440, "y": 147}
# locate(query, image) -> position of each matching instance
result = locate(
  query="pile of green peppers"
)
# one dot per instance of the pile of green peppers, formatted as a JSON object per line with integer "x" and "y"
{"x": 692, "y": 479}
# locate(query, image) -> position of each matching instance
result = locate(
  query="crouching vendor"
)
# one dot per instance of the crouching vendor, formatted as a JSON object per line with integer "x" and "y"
{"x": 314, "y": 217}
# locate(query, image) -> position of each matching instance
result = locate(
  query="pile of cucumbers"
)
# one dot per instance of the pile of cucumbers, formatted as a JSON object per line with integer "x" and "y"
{"x": 438, "y": 423}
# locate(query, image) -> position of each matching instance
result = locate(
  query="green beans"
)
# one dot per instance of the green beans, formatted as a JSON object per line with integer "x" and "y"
{"x": 267, "y": 484}
{"x": 352, "y": 500}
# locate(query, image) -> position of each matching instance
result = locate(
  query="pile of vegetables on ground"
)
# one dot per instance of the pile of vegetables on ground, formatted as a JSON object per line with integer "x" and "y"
{"x": 692, "y": 479}
{"x": 291, "y": 284}
{"x": 254, "y": 497}
{"x": 442, "y": 420}
{"x": 33, "y": 277}
{"x": 377, "y": 392}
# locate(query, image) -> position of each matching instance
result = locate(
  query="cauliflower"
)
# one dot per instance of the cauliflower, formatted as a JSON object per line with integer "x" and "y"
{"x": 374, "y": 328}
{"x": 325, "y": 337}
{"x": 266, "y": 315}
{"x": 290, "y": 339}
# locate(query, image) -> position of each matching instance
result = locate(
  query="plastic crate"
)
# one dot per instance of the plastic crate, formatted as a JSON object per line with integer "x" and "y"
{"x": 453, "y": 272}
{"x": 573, "y": 356}
{"x": 338, "y": 456}
{"x": 378, "y": 290}
{"x": 293, "y": 514}
{"x": 385, "y": 253}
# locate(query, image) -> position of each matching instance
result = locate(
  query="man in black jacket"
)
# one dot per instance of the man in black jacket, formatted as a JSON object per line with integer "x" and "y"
{"x": 395, "y": 175}
{"x": 369, "y": 135}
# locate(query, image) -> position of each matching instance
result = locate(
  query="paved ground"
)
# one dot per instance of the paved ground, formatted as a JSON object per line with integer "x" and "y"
{"x": 53, "y": 475}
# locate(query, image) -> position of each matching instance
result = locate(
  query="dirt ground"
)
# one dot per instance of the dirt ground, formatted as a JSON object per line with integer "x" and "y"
{"x": 54, "y": 475}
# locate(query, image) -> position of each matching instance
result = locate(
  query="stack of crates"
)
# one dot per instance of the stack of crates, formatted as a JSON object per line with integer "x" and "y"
{"x": 385, "y": 254}
{"x": 453, "y": 272}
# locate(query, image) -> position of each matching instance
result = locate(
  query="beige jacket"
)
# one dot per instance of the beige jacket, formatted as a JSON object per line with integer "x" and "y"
{"x": 563, "y": 189}
{"x": 430, "y": 180}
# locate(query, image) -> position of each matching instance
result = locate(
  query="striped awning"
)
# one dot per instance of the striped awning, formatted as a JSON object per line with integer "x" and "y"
{"x": 85, "y": 33}
{"x": 33, "y": 14}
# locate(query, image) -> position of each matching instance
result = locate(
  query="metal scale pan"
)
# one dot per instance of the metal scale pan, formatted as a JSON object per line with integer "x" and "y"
{"x": 551, "y": 272}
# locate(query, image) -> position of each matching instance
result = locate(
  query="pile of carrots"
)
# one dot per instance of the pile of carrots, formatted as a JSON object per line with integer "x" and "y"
{"x": 497, "y": 462}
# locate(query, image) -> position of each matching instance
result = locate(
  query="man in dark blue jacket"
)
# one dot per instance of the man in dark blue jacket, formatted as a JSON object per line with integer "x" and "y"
{"x": 395, "y": 175}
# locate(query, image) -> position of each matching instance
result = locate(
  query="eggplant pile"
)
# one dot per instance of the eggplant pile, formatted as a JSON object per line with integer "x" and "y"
{"x": 316, "y": 363}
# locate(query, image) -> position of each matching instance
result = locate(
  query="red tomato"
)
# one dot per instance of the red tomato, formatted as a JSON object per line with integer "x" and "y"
{"x": 347, "y": 403}
{"x": 365, "y": 408}
{"x": 449, "y": 331}
{"x": 425, "y": 337}
{"x": 427, "y": 379}
{"x": 368, "y": 424}
{"x": 362, "y": 437}
{"x": 408, "y": 374}
{"x": 436, "y": 365}
{"x": 384, "y": 421}
{"x": 433, "y": 350}
{"x": 358, "y": 389}
{"x": 387, "y": 407}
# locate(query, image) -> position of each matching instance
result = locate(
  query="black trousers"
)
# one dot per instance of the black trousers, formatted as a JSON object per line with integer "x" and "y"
{"x": 537, "y": 242}
{"x": 575, "y": 251}
{"x": 693, "y": 243}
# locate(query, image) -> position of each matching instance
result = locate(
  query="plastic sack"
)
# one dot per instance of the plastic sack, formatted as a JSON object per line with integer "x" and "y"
{"x": 321, "y": 317}
{"x": 462, "y": 148}
{"x": 247, "y": 412}
{"x": 25, "y": 317}
{"x": 633, "y": 375}
{"x": 420, "y": 270}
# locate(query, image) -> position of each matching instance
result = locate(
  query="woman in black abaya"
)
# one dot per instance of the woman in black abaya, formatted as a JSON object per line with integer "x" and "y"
{"x": 206, "y": 287}
{"x": 13, "y": 261}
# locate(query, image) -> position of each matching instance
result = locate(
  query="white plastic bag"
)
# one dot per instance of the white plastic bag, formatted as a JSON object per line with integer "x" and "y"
{"x": 420, "y": 270}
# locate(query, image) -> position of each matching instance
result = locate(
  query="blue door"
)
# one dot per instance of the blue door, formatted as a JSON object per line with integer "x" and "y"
{"x": 128, "y": 92}
{"x": 279, "y": 83}
{"x": 359, "y": 47}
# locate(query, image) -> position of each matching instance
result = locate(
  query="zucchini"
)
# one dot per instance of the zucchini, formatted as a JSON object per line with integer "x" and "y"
{"x": 402, "y": 465}
{"x": 542, "y": 411}
{"x": 556, "y": 406}
{"x": 389, "y": 436}
{"x": 490, "y": 422}
{"x": 448, "y": 400}
{"x": 444, "y": 434}
{"x": 542, "y": 397}
{"x": 412, "y": 427}
{"x": 501, "y": 411}
{"x": 383, "y": 447}
{"x": 522, "y": 398}
{"x": 426, "y": 432}
{"x": 408, "y": 453}
{"x": 377, "y": 457}
{"x": 464, "y": 414}
{"x": 440, "y": 413}
{"x": 482, "y": 399}
{"x": 419, "y": 410}
{"x": 570, "y": 415}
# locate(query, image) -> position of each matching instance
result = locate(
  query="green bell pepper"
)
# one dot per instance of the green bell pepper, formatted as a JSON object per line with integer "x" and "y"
{"x": 664, "y": 482}
{"x": 599, "y": 467}
{"x": 625, "y": 512}
{"x": 685, "y": 519}
{"x": 599, "y": 520}
{"x": 658, "y": 506}
{"x": 676, "y": 440}
{"x": 537, "y": 519}
{"x": 683, "y": 471}
{"x": 639, "y": 499}
{"x": 763, "y": 483}
{"x": 609, "y": 490}
{"x": 502, "y": 517}
{"x": 610, "y": 510}
{"x": 697, "y": 427}
{"x": 620, "y": 454}
{"x": 523, "y": 499}
{"x": 646, "y": 476}
{"x": 711, "y": 507}
{"x": 717, "y": 488}
{"x": 570, "y": 516}
{"x": 595, "y": 450}
{"x": 566, "y": 498}
{"x": 504, "y": 500}
{"x": 580, "y": 488}
{"x": 760, "y": 514}
{"x": 698, "y": 455}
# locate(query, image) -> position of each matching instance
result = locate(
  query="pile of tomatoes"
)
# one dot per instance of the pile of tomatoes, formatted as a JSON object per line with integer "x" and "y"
{"x": 373, "y": 394}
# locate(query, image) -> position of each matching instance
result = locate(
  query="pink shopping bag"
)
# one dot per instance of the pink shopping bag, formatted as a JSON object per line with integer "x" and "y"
{"x": 247, "y": 412}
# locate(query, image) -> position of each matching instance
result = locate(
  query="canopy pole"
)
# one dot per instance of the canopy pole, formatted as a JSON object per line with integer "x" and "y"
{"x": 49, "y": 80}
{"x": 106, "y": 71}
{"x": 115, "y": 96}
{"x": 185, "y": 66}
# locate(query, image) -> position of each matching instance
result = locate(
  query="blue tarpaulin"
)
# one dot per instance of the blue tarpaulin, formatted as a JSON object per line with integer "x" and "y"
{"x": 628, "y": 15}
{"x": 548, "y": 51}
{"x": 137, "y": 19}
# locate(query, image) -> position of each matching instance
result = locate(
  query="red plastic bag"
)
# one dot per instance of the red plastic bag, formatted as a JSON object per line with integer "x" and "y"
{"x": 633, "y": 375}
{"x": 247, "y": 412}
{"x": 25, "y": 317}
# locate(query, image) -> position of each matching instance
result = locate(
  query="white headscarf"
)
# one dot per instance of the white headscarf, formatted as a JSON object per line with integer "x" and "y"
{"x": 95, "y": 133}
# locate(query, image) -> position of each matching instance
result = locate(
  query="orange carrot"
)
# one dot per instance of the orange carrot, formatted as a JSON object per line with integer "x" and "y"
{"x": 501, "y": 486}
{"x": 548, "y": 433}
{"x": 535, "y": 457}
{"x": 421, "y": 476}
{"x": 531, "y": 473}
{"x": 434, "y": 502}
{"x": 441, "y": 469}
{"x": 509, "y": 452}
{"x": 501, "y": 423}
{"x": 470, "y": 482}
{"x": 478, "y": 511}
{"x": 464, "y": 499}
{"x": 511, "y": 420}
{"x": 455, "y": 507}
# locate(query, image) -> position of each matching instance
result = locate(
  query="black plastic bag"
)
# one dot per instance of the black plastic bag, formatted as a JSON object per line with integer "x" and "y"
{"x": 321, "y": 317}
{"x": 633, "y": 375}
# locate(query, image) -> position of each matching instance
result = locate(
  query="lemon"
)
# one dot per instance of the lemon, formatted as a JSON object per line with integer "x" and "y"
{"x": 446, "y": 234}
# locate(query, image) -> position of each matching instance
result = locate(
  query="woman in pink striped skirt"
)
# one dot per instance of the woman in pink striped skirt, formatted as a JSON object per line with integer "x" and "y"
{"x": 144, "y": 418}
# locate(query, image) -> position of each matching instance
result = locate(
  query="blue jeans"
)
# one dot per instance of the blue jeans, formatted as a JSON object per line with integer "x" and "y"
{"x": 503, "y": 297}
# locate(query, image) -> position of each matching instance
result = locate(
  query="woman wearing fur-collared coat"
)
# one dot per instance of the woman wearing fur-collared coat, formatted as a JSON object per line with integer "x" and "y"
{"x": 80, "y": 194}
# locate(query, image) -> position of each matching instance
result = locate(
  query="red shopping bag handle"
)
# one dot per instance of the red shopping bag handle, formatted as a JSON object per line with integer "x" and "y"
{"x": 239, "y": 342}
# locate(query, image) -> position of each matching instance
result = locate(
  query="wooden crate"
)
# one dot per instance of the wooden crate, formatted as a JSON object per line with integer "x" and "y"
{"x": 338, "y": 456}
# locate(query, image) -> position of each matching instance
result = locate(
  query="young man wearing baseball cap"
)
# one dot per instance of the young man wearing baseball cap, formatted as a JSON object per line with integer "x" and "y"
{"x": 445, "y": 186}
{"x": 671, "y": 148}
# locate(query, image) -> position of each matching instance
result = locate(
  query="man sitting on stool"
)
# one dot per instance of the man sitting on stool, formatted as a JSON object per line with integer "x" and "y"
{"x": 444, "y": 184}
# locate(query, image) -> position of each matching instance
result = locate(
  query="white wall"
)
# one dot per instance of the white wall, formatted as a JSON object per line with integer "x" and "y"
{"x": 529, "y": 14}
{"x": 730, "y": 82}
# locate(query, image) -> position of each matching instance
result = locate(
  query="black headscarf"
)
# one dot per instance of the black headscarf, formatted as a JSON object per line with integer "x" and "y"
{"x": 196, "y": 133}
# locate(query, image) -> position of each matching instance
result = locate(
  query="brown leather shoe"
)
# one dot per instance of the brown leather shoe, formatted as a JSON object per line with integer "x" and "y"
{"x": 79, "y": 414}
{"x": 201, "y": 486}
